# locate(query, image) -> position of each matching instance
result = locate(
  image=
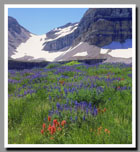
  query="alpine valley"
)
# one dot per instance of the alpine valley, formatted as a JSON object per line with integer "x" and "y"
{"x": 102, "y": 33}
{"x": 74, "y": 85}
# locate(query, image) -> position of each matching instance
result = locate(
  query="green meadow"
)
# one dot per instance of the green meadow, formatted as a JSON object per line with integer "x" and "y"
{"x": 70, "y": 103}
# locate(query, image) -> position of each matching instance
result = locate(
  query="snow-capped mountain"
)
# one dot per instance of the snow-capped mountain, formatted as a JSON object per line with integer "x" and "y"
{"x": 100, "y": 34}
{"x": 33, "y": 48}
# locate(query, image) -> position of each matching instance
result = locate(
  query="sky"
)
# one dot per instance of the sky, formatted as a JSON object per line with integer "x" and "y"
{"x": 42, "y": 20}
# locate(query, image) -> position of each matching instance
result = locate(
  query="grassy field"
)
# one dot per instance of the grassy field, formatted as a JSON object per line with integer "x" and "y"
{"x": 72, "y": 103}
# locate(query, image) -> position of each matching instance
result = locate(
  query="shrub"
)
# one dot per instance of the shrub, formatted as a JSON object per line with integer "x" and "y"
{"x": 53, "y": 65}
{"x": 72, "y": 63}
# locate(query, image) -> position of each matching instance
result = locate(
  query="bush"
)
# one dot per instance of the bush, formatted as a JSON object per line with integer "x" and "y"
{"x": 53, "y": 65}
{"x": 72, "y": 63}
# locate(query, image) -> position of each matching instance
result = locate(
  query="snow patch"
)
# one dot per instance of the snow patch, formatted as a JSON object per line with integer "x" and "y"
{"x": 66, "y": 30}
{"x": 117, "y": 45}
{"x": 61, "y": 32}
{"x": 104, "y": 51}
{"x": 81, "y": 54}
{"x": 121, "y": 53}
{"x": 118, "y": 50}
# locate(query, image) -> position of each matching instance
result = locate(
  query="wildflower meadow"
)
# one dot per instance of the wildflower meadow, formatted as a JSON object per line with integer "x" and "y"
{"x": 70, "y": 103}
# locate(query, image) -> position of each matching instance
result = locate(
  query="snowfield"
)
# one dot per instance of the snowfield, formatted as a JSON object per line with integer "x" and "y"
{"x": 118, "y": 50}
{"x": 117, "y": 45}
{"x": 32, "y": 49}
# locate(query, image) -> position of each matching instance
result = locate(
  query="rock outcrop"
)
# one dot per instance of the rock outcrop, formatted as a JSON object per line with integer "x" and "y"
{"x": 62, "y": 42}
{"x": 16, "y": 35}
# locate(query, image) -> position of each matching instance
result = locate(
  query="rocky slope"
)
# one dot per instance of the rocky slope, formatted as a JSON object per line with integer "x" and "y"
{"x": 98, "y": 27}
{"x": 16, "y": 35}
{"x": 59, "y": 40}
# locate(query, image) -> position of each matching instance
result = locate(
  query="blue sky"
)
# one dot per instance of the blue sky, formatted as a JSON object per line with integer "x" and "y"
{"x": 42, "y": 20}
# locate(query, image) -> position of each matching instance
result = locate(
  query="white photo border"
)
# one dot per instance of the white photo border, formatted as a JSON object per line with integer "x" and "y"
{"x": 6, "y": 145}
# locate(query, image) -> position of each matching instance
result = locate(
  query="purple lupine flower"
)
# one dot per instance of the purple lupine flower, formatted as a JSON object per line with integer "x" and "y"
{"x": 130, "y": 75}
{"x": 95, "y": 111}
{"x": 71, "y": 118}
{"x": 87, "y": 111}
{"x": 75, "y": 118}
{"x": 65, "y": 90}
{"x": 84, "y": 117}
{"x": 90, "y": 105}
{"x": 124, "y": 88}
{"x": 58, "y": 105}
{"x": 50, "y": 97}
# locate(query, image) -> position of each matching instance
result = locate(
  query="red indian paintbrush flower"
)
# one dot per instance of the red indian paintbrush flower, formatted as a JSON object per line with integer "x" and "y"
{"x": 49, "y": 128}
{"x": 44, "y": 125}
{"x": 42, "y": 131}
{"x": 53, "y": 129}
{"x": 108, "y": 132}
{"x": 55, "y": 122}
{"x": 49, "y": 118}
{"x": 63, "y": 123}
{"x": 58, "y": 124}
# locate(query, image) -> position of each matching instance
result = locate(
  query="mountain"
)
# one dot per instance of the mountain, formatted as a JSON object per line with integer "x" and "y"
{"x": 102, "y": 33}
{"x": 33, "y": 49}
{"x": 98, "y": 27}
{"x": 16, "y": 35}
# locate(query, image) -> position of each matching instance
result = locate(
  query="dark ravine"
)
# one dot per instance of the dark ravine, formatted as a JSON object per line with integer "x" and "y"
{"x": 20, "y": 65}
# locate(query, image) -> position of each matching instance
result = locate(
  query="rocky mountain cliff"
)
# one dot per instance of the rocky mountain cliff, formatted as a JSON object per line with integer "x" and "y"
{"x": 63, "y": 41}
{"x": 98, "y": 26}
{"x": 16, "y": 35}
